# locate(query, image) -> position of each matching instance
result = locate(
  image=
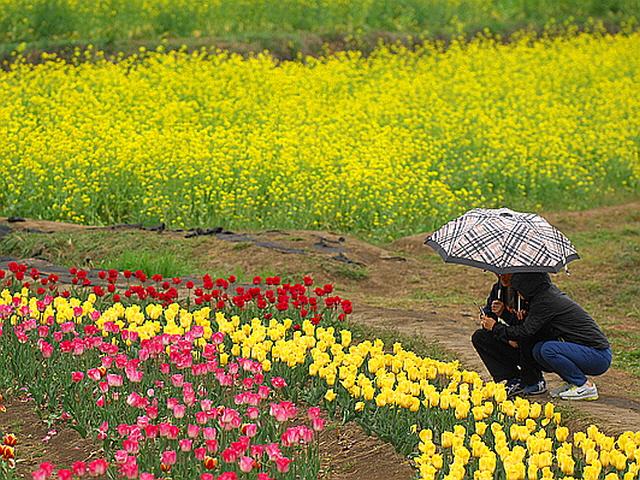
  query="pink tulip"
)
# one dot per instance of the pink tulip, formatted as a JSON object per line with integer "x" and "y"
{"x": 39, "y": 474}
{"x": 152, "y": 412}
{"x": 134, "y": 375}
{"x": 106, "y": 361}
{"x": 173, "y": 432}
{"x": 129, "y": 469}
{"x": 77, "y": 376}
{"x": 185, "y": 444}
{"x": 212, "y": 446}
{"x": 313, "y": 412}
{"x": 228, "y": 476}
{"x": 46, "y": 349}
{"x": 200, "y": 453}
{"x": 169, "y": 457}
{"x": 79, "y": 469}
{"x": 177, "y": 380}
{"x": 230, "y": 455}
{"x": 131, "y": 446}
{"x": 250, "y": 430}
{"x": 114, "y": 380}
{"x": 257, "y": 450}
{"x": 179, "y": 411}
{"x": 151, "y": 431}
{"x": 282, "y": 464}
{"x": 64, "y": 474}
{"x": 217, "y": 338}
{"x": 278, "y": 382}
{"x": 121, "y": 456}
{"x": 318, "y": 424}
{"x": 202, "y": 417}
{"x": 253, "y": 413}
{"x": 264, "y": 392}
{"x": 67, "y": 327}
{"x": 246, "y": 464}
{"x": 273, "y": 451}
{"x": 98, "y": 467}
{"x": 193, "y": 431}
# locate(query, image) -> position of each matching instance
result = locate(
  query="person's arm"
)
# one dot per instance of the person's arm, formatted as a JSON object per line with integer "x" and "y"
{"x": 509, "y": 317}
{"x": 493, "y": 295}
{"x": 537, "y": 317}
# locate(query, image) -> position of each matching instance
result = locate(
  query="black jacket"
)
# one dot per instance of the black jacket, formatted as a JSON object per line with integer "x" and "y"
{"x": 506, "y": 295}
{"x": 552, "y": 313}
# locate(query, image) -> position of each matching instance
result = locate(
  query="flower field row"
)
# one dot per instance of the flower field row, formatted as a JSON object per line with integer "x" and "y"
{"x": 387, "y": 145}
{"x": 27, "y": 20}
{"x": 214, "y": 398}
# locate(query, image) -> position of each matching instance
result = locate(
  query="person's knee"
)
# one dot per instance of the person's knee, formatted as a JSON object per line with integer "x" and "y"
{"x": 548, "y": 351}
{"x": 479, "y": 338}
{"x": 536, "y": 351}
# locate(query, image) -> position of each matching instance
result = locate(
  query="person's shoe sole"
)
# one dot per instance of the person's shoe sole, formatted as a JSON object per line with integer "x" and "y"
{"x": 533, "y": 394}
{"x": 588, "y": 399}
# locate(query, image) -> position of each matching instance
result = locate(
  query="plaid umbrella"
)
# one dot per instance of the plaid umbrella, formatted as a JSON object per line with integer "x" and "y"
{"x": 503, "y": 241}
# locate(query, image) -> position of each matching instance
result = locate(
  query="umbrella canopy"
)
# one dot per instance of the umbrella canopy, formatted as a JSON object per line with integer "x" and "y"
{"x": 503, "y": 241}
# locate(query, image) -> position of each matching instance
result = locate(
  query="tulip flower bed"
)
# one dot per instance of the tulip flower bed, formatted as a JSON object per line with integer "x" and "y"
{"x": 160, "y": 404}
{"x": 193, "y": 391}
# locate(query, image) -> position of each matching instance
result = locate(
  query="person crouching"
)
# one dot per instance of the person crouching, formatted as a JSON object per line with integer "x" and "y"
{"x": 575, "y": 345}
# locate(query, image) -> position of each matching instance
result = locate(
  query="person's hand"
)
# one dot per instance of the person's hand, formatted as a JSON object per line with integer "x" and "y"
{"x": 513, "y": 343}
{"x": 487, "y": 323}
{"x": 520, "y": 314}
{"x": 497, "y": 307}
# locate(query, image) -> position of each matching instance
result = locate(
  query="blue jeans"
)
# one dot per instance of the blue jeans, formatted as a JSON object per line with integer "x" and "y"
{"x": 573, "y": 362}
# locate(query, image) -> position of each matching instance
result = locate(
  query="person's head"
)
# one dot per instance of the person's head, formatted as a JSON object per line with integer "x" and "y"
{"x": 505, "y": 279}
{"x": 528, "y": 284}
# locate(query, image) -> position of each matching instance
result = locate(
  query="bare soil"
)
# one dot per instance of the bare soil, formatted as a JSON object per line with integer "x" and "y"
{"x": 41, "y": 441}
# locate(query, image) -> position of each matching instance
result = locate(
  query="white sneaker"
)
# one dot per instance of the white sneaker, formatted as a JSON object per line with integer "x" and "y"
{"x": 584, "y": 392}
{"x": 555, "y": 392}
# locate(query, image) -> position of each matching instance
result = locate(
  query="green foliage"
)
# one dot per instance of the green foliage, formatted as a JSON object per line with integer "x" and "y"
{"x": 111, "y": 20}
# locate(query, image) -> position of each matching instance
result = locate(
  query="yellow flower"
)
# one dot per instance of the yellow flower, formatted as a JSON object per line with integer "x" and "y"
{"x": 562, "y": 433}
{"x": 330, "y": 395}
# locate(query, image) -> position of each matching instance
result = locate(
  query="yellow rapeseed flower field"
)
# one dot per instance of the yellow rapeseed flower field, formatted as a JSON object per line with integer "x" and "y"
{"x": 390, "y": 144}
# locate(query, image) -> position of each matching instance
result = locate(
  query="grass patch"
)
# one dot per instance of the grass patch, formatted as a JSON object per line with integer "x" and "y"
{"x": 153, "y": 262}
{"x": 350, "y": 272}
{"x": 151, "y": 253}
{"x": 292, "y": 26}
{"x": 242, "y": 246}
